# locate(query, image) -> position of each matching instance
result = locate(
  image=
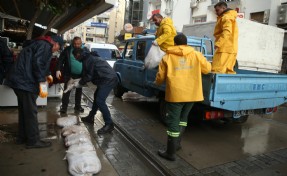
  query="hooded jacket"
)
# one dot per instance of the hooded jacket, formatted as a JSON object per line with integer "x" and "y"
{"x": 226, "y": 32}
{"x": 181, "y": 69}
{"x": 31, "y": 66}
{"x": 98, "y": 71}
{"x": 165, "y": 34}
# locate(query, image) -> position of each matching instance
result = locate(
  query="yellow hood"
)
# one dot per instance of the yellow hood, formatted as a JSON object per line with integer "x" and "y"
{"x": 229, "y": 13}
{"x": 180, "y": 50}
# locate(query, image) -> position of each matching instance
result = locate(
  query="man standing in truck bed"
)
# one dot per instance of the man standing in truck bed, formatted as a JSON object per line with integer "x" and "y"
{"x": 226, "y": 39}
{"x": 165, "y": 31}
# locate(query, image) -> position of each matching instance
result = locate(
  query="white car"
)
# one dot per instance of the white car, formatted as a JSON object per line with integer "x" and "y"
{"x": 109, "y": 52}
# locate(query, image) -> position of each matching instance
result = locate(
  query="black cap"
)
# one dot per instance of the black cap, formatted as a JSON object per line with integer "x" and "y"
{"x": 58, "y": 39}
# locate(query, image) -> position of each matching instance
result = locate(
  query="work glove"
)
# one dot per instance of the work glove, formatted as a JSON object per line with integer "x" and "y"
{"x": 43, "y": 90}
{"x": 58, "y": 74}
{"x": 49, "y": 79}
{"x": 155, "y": 43}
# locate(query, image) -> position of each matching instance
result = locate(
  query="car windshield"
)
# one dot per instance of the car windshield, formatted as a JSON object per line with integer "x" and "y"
{"x": 106, "y": 53}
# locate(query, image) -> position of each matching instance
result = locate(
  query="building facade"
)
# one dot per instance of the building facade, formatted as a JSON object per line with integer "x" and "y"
{"x": 200, "y": 11}
{"x": 103, "y": 28}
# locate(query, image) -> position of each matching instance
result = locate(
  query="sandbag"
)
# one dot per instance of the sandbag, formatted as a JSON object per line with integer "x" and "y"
{"x": 77, "y": 138}
{"x": 71, "y": 84}
{"x": 67, "y": 121}
{"x": 153, "y": 57}
{"x": 73, "y": 129}
{"x": 83, "y": 163}
{"x": 81, "y": 147}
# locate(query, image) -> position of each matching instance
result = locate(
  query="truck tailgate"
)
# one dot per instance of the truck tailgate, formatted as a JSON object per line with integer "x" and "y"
{"x": 244, "y": 91}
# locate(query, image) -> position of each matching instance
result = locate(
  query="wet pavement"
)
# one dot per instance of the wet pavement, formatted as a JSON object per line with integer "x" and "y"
{"x": 257, "y": 147}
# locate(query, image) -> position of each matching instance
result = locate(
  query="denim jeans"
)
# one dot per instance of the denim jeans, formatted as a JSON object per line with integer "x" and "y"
{"x": 99, "y": 103}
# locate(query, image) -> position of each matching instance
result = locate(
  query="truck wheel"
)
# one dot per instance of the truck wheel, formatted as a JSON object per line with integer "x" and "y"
{"x": 119, "y": 90}
{"x": 162, "y": 110}
{"x": 241, "y": 119}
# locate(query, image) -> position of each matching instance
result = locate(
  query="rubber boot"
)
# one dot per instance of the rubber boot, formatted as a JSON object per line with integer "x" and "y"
{"x": 88, "y": 119}
{"x": 182, "y": 130}
{"x": 169, "y": 154}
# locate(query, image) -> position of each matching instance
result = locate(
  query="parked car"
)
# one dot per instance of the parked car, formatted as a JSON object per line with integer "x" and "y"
{"x": 105, "y": 51}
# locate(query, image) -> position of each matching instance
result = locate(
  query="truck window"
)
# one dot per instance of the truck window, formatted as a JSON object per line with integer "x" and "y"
{"x": 141, "y": 46}
{"x": 129, "y": 50}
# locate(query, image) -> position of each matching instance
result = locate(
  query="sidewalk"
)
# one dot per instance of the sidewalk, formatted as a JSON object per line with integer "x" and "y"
{"x": 15, "y": 160}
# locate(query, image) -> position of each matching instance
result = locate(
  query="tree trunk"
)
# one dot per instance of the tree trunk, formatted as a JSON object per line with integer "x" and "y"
{"x": 32, "y": 23}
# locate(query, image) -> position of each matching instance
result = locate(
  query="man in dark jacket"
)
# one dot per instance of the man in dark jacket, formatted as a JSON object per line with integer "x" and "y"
{"x": 27, "y": 77}
{"x": 6, "y": 60}
{"x": 100, "y": 73}
{"x": 72, "y": 69}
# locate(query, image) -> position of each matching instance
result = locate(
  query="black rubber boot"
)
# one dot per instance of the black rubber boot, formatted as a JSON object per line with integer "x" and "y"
{"x": 106, "y": 129}
{"x": 182, "y": 130}
{"x": 88, "y": 119}
{"x": 169, "y": 154}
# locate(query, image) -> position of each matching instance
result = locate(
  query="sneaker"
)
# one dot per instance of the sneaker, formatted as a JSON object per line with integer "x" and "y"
{"x": 79, "y": 109}
{"x": 39, "y": 144}
{"x": 88, "y": 119}
{"x": 63, "y": 110}
{"x": 106, "y": 129}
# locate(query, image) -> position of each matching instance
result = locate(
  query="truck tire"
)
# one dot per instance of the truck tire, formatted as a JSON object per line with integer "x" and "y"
{"x": 241, "y": 119}
{"x": 119, "y": 90}
{"x": 162, "y": 110}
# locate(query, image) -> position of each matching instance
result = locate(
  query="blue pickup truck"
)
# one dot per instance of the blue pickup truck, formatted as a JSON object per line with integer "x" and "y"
{"x": 226, "y": 96}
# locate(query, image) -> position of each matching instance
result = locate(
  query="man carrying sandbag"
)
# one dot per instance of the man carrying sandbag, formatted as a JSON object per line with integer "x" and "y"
{"x": 164, "y": 39}
{"x": 165, "y": 32}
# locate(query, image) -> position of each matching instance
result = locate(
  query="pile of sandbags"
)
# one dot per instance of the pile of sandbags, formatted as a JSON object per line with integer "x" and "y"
{"x": 81, "y": 154}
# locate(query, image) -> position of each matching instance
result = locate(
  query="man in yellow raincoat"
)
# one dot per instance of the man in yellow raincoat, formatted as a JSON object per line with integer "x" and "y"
{"x": 226, "y": 39}
{"x": 181, "y": 70}
{"x": 165, "y": 31}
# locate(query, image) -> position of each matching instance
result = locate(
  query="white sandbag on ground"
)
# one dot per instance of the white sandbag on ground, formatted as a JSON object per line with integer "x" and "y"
{"x": 77, "y": 138}
{"x": 85, "y": 163}
{"x": 67, "y": 121}
{"x": 135, "y": 97}
{"x": 81, "y": 147}
{"x": 74, "y": 129}
{"x": 153, "y": 57}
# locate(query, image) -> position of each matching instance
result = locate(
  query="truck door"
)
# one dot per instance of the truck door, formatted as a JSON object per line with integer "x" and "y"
{"x": 138, "y": 71}
{"x": 124, "y": 67}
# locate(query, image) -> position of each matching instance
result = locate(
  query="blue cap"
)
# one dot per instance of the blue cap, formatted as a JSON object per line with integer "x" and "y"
{"x": 58, "y": 39}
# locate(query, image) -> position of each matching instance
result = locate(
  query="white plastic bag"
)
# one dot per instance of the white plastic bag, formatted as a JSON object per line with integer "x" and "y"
{"x": 72, "y": 83}
{"x": 73, "y": 129}
{"x": 81, "y": 147}
{"x": 77, "y": 138}
{"x": 67, "y": 121}
{"x": 85, "y": 163}
{"x": 153, "y": 57}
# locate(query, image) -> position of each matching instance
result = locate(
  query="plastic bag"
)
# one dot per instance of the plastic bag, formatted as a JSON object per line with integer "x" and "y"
{"x": 73, "y": 129}
{"x": 85, "y": 163}
{"x": 81, "y": 147}
{"x": 153, "y": 57}
{"x": 77, "y": 138}
{"x": 67, "y": 121}
{"x": 72, "y": 83}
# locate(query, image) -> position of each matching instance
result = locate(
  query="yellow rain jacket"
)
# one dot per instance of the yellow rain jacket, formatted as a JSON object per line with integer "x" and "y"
{"x": 181, "y": 69}
{"x": 165, "y": 34}
{"x": 226, "y": 41}
{"x": 226, "y": 32}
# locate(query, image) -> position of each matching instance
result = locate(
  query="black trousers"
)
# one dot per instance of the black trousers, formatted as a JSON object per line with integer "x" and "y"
{"x": 66, "y": 97}
{"x": 27, "y": 117}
